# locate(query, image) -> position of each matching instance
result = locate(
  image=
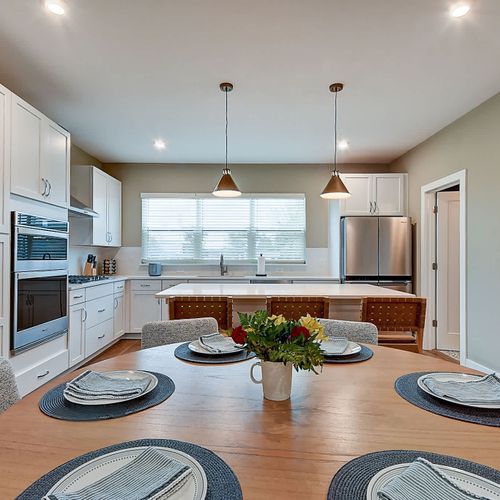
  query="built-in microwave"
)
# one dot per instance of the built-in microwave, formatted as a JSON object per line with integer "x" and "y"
{"x": 39, "y": 284}
{"x": 38, "y": 243}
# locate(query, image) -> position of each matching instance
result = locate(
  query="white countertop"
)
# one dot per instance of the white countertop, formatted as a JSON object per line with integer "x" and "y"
{"x": 181, "y": 277}
{"x": 345, "y": 291}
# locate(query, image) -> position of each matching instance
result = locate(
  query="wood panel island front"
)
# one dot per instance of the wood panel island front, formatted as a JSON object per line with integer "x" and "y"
{"x": 344, "y": 299}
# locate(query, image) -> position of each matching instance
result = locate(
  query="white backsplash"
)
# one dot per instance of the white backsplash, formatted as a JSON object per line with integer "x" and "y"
{"x": 78, "y": 257}
{"x": 128, "y": 261}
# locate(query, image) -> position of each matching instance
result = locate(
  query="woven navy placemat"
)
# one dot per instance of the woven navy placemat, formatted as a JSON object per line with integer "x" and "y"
{"x": 183, "y": 352}
{"x": 55, "y": 405}
{"x": 222, "y": 481}
{"x": 406, "y": 386}
{"x": 362, "y": 355}
{"x": 351, "y": 481}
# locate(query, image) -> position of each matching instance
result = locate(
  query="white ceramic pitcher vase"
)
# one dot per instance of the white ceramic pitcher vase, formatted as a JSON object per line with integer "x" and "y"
{"x": 276, "y": 379}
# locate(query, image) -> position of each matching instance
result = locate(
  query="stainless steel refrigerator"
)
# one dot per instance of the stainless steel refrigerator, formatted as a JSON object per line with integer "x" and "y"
{"x": 377, "y": 250}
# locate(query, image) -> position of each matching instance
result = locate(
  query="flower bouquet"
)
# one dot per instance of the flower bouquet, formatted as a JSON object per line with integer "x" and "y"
{"x": 280, "y": 344}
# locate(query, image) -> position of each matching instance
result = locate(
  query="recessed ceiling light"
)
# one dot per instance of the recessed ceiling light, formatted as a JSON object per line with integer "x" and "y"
{"x": 343, "y": 144}
{"x": 55, "y": 6}
{"x": 459, "y": 10}
{"x": 159, "y": 144}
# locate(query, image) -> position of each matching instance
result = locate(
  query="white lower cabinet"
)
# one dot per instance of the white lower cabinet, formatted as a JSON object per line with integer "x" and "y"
{"x": 98, "y": 336}
{"x": 36, "y": 375}
{"x": 119, "y": 315}
{"x": 144, "y": 307}
{"x": 76, "y": 334}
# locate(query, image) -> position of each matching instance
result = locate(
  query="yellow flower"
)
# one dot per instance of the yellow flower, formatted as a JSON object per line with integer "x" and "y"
{"x": 314, "y": 326}
{"x": 277, "y": 320}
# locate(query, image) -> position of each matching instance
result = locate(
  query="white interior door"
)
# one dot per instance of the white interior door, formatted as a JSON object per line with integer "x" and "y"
{"x": 448, "y": 271}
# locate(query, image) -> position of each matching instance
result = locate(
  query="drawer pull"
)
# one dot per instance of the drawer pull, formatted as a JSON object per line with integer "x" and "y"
{"x": 101, "y": 310}
{"x": 101, "y": 337}
{"x": 144, "y": 285}
{"x": 43, "y": 374}
{"x": 78, "y": 297}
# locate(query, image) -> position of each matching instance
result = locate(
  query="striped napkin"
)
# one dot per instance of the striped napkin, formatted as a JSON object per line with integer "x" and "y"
{"x": 219, "y": 344}
{"x": 151, "y": 475}
{"x": 334, "y": 346}
{"x": 91, "y": 385}
{"x": 483, "y": 390}
{"x": 422, "y": 480}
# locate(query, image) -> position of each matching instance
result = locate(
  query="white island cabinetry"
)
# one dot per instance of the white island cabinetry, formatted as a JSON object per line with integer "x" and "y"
{"x": 144, "y": 306}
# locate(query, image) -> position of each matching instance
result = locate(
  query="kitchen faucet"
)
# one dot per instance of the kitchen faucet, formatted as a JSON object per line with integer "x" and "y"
{"x": 223, "y": 268}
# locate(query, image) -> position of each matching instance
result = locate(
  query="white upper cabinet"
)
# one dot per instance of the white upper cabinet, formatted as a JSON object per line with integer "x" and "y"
{"x": 375, "y": 194}
{"x": 103, "y": 194}
{"x": 100, "y": 205}
{"x": 114, "y": 211}
{"x": 359, "y": 185}
{"x": 26, "y": 154}
{"x": 55, "y": 163}
{"x": 39, "y": 165}
{"x": 5, "y": 102}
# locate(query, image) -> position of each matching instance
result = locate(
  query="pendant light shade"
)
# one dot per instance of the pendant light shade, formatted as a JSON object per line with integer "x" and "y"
{"x": 335, "y": 189}
{"x": 226, "y": 188}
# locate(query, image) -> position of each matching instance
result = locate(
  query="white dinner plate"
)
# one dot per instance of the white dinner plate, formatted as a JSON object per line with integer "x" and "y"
{"x": 196, "y": 347}
{"x": 195, "y": 487}
{"x": 470, "y": 482}
{"x": 352, "y": 348}
{"x": 119, "y": 375}
{"x": 454, "y": 377}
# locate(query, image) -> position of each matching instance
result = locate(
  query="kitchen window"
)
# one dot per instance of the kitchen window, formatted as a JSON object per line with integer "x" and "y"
{"x": 197, "y": 228}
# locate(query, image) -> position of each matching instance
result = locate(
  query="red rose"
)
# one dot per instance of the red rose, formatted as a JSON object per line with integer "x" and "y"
{"x": 297, "y": 331}
{"x": 239, "y": 335}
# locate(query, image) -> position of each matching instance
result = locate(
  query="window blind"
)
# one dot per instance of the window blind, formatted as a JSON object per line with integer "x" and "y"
{"x": 197, "y": 228}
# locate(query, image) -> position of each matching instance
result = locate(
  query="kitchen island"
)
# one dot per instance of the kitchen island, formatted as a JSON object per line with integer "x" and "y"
{"x": 345, "y": 299}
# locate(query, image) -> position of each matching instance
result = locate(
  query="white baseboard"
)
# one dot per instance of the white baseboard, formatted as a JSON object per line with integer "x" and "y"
{"x": 476, "y": 366}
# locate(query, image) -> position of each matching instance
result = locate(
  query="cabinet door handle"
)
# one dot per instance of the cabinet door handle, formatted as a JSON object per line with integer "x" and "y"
{"x": 78, "y": 296}
{"x": 50, "y": 188}
{"x": 101, "y": 310}
{"x": 116, "y": 303}
{"x": 101, "y": 337}
{"x": 371, "y": 207}
{"x": 110, "y": 237}
{"x": 86, "y": 314}
{"x": 43, "y": 374}
{"x": 44, "y": 187}
{"x": 375, "y": 208}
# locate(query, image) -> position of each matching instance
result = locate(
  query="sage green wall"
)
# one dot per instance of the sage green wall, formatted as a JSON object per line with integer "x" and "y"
{"x": 472, "y": 143}
{"x": 189, "y": 178}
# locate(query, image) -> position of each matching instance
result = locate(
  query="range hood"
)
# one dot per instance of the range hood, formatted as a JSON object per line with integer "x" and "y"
{"x": 76, "y": 207}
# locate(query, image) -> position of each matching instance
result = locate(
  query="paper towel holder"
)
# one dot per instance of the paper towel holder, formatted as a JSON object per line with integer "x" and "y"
{"x": 261, "y": 266}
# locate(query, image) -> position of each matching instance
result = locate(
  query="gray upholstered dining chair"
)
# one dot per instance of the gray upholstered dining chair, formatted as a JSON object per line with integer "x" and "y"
{"x": 176, "y": 330}
{"x": 356, "y": 331}
{"x": 8, "y": 387}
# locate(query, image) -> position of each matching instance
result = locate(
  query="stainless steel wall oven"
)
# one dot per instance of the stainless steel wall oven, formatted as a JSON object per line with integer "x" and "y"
{"x": 39, "y": 280}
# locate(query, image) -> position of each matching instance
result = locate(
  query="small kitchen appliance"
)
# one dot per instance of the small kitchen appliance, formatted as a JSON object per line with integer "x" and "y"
{"x": 154, "y": 269}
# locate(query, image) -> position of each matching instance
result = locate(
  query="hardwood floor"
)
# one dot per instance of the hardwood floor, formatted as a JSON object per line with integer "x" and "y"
{"x": 121, "y": 347}
{"x": 126, "y": 346}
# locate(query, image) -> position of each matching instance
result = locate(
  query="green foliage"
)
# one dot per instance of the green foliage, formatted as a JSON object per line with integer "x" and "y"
{"x": 270, "y": 339}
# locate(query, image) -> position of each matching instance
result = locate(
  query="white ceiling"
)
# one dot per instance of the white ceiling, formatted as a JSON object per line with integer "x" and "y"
{"x": 119, "y": 73}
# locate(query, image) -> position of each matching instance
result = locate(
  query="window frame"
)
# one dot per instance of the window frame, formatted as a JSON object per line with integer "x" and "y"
{"x": 243, "y": 262}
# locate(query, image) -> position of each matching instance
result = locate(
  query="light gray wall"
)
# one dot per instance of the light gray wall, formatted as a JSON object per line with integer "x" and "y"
{"x": 189, "y": 178}
{"x": 472, "y": 143}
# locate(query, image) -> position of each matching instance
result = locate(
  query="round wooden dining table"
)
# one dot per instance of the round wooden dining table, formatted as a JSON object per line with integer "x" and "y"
{"x": 279, "y": 450}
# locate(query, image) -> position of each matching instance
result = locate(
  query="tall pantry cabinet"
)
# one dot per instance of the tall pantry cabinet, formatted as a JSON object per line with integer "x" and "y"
{"x": 5, "y": 103}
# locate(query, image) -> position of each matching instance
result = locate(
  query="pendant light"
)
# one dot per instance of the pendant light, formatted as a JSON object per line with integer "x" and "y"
{"x": 335, "y": 189}
{"x": 226, "y": 188}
